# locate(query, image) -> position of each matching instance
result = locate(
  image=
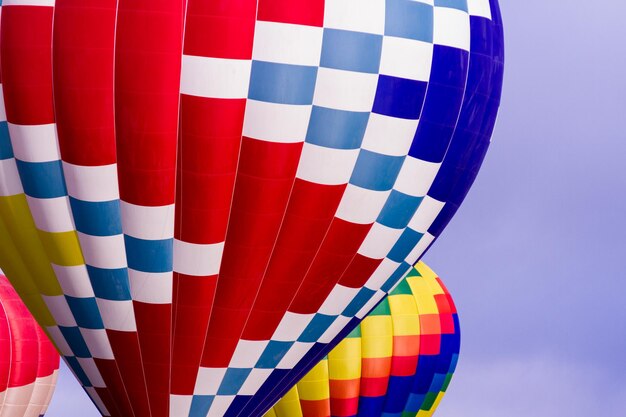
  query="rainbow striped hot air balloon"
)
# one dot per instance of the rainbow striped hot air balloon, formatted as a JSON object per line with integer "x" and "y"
{"x": 29, "y": 363}
{"x": 197, "y": 197}
{"x": 397, "y": 362}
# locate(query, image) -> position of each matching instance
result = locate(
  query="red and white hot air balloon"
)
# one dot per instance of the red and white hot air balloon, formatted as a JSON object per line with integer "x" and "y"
{"x": 198, "y": 196}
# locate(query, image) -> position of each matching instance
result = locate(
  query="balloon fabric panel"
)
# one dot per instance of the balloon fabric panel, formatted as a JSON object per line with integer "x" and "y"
{"x": 198, "y": 200}
{"x": 476, "y": 121}
{"x": 398, "y": 361}
{"x": 29, "y": 363}
{"x": 92, "y": 187}
{"x": 148, "y": 46}
{"x": 485, "y": 77}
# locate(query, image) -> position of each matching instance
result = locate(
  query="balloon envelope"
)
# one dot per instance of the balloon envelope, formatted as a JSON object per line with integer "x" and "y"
{"x": 29, "y": 363}
{"x": 398, "y": 361}
{"x": 198, "y": 197}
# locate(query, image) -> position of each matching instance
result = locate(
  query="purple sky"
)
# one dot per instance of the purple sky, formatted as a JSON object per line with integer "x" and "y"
{"x": 532, "y": 259}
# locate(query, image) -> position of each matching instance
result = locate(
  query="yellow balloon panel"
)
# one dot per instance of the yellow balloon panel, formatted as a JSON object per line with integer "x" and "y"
{"x": 399, "y": 360}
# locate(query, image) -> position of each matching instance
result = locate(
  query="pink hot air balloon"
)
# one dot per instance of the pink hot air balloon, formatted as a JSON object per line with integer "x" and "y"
{"x": 29, "y": 362}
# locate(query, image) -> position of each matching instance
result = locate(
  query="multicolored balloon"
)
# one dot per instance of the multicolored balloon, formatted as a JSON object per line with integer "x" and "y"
{"x": 29, "y": 363}
{"x": 198, "y": 197}
{"x": 397, "y": 362}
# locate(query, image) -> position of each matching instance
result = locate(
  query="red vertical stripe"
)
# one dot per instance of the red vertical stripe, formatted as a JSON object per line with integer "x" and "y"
{"x": 264, "y": 182}
{"x": 442, "y": 304}
{"x": 84, "y": 33}
{"x": 359, "y": 271}
{"x": 26, "y": 38}
{"x": 107, "y": 399}
{"x": 153, "y": 328}
{"x": 25, "y": 351}
{"x": 220, "y": 28}
{"x": 210, "y": 140}
{"x": 310, "y": 212}
{"x": 148, "y": 54}
{"x": 339, "y": 247}
{"x": 194, "y": 299}
{"x": 299, "y": 12}
{"x": 26, "y": 51}
{"x": 447, "y": 323}
{"x": 116, "y": 399}
{"x": 23, "y": 337}
{"x": 450, "y": 301}
{"x": 125, "y": 346}
{"x": 48, "y": 356}
{"x": 209, "y": 151}
{"x": 5, "y": 346}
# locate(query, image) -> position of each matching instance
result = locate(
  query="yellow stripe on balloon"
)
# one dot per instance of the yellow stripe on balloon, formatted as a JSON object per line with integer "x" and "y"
{"x": 404, "y": 315}
{"x": 22, "y": 231}
{"x": 423, "y": 294}
{"x": 435, "y": 287}
{"x": 387, "y": 344}
{"x": 344, "y": 362}
{"x": 425, "y": 271}
{"x": 20, "y": 277}
{"x": 377, "y": 337}
{"x": 314, "y": 385}
{"x": 62, "y": 248}
{"x": 289, "y": 405}
{"x": 431, "y": 411}
{"x": 437, "y": 402}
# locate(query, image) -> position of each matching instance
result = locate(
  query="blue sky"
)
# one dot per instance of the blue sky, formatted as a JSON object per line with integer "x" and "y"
{"x": 533, "y": 258}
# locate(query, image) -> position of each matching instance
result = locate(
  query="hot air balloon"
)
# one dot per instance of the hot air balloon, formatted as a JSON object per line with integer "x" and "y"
{"x": 198, "y": 197}
{"x": 397, "y": 362}
{"x": 29, "y": 363}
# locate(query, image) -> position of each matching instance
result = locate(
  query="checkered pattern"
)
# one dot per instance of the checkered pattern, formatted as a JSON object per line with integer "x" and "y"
{"x": 375, "y": 208}
{"x": 91, "y": 174}
{"x": 398, "y": 361}
{"x": 473, "y": 134}
{"x": 332, "y": 132}
{"x": 214, "y": 88}
{"x": 33, "y": 150}
{"x": 280, "y": 102}
{"x": 244, "y": 200}
{"x": 405, "y": 221}
{"x": 75, "y": 310}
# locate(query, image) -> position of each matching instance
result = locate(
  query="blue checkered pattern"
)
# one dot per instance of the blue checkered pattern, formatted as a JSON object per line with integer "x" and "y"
{"x": 431, "y": 373}
{"x": 380, "y": 90}
{"x": 335, "y": 128}
{"x": 285, "y": 85}
{"x": 66, "y": 334}
{"x": 42, "y": 177}
{"x": 473, "y": 134}
{"x": 378, "y": 164}
{"x": 438, "y": 122}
